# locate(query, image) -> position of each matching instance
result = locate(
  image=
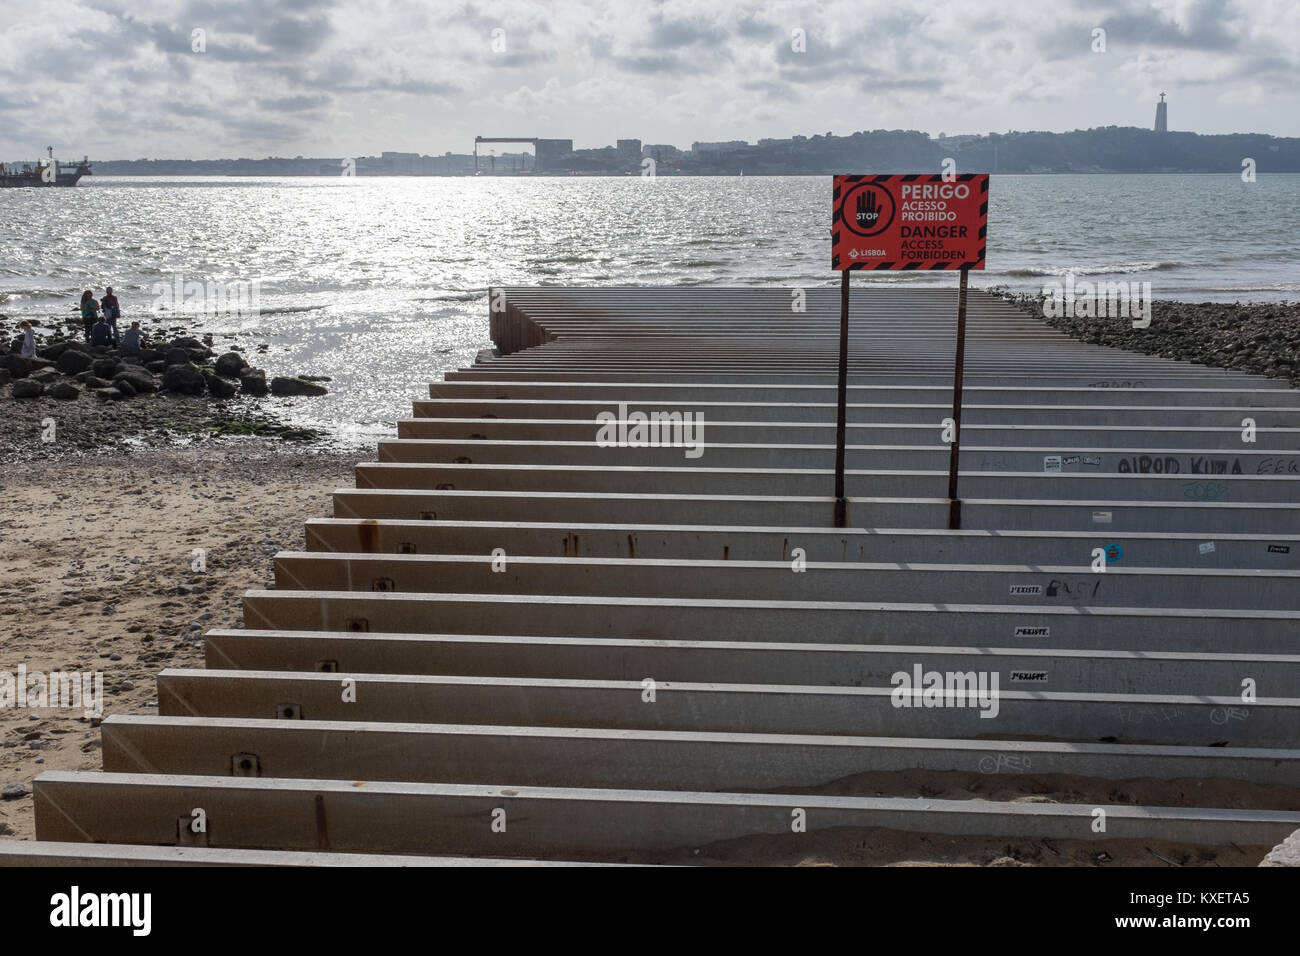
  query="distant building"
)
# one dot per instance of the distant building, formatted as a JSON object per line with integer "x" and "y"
{"x": 661, "y": 152}
{"x": 552, "y": 153}
{"x": 1162, "y": 115}
{"x": 714, "y": 149}
{"x": 629, "y": 147}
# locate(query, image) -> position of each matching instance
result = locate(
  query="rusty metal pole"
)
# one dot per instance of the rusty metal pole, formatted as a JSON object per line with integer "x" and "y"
{"x": 841, "y": 421}
{"x": 954, "y": 452}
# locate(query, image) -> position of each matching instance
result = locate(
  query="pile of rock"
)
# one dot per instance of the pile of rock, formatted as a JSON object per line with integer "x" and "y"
{"x": 64, "y": 367}
{"x": 1263, "y": 338}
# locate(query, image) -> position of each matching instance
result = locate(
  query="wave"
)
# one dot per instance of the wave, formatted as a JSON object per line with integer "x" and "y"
{"x": 1108, "y": 269}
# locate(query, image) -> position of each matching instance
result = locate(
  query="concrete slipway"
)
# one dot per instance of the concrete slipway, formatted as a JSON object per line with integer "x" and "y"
{"x": 633, "y": 648}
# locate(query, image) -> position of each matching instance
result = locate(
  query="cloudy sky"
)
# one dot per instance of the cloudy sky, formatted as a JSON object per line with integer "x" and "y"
{"x": 124, "y": 79}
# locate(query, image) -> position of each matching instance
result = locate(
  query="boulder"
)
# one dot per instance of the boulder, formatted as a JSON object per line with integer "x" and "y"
{"x": 230, "y": 364}
{"x": 220, "y": 388}
{"x": 16, "y": 365}
{"x": 44, "y": 375}
{"x": 124, "y": 386}
{"x": 105, "y": 367}
{"x": 156, "y": 366}
{"x": 253, "y": 381}
{"x": 5, "y": 376}
{"x": 73, "y": 361}
{"x": 282, "y": 385}
{"x": 95, "y": 381}
{"x": 141, "y": 381}
{"x": 65, "y": 391}
{"x": 26, "y": 388}
{"x": 53, "y": 350}
{"x": 186, "y": 343}
{"x": 108, "y": 394}
{"x": 185, "y": 379}
{"x": 177, "y": 356}
{"x": 152, "y": 355}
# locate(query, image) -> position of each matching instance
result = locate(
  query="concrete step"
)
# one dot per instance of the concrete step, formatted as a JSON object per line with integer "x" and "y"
{"x": 30, "y": 853}
{"x": 1141, "y": 413}
{"x": 1271, "y": 393}
{"x": 846, "y": 622}
{"x": 1001, "y": 711}
{"x": 639, "y": 479}
{"x": 574, "y": 539}
{"x": 1223, "y": 438}
{"x": 1065, "y": 585}
{"x": 1104, "y": 516}
{"x": 325, "y": 749}
{"x": 379, "y": 817}
{"x": 1097, "y": 461}
{"x": 749, "y": 662}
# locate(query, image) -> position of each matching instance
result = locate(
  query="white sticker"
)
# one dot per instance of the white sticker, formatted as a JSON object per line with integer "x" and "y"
{"x": 1026, "y": 589}
{"x": 1101, "y": 517}
{"x": 1205, "y": 547}
{"x": 1029, "y": 677}
{"x": 1027, "y": 631}
{"x": 1072, "y": 460}
{"x": 1087, "y": 460}
{"x": 1051, "y": 463}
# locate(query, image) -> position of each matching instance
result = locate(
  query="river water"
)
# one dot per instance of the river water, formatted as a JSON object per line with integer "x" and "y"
{"x": 381, "y": 283}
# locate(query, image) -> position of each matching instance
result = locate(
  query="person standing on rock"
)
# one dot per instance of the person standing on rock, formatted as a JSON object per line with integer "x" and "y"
{"x": 112, "y": 312}
{"x": 28, "y": 349}
{"x": 89, "y": 312}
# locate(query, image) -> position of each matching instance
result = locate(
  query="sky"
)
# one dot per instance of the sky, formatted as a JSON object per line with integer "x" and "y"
{"x": 203, "y": 79}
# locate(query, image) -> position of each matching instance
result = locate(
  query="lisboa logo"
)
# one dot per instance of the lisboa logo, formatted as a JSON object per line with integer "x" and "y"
{"x": 868, "y": 209}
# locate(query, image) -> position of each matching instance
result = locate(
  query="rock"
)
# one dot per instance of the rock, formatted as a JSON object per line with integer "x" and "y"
{"x": 44, "y": 375}
{"x": 95, "y": 381}
{"x": 108, "y": 394}
{"x": 177, "y": 356}
{"x": 230, "y": 364}
{"x": 124, "y": 386}
{"x": 151, "y": 355}
{"x": 53, "y": 350}
{"x": 220, "y": 388}
{"x": 65, "y": 391}
{"x": 253, "y": 381}
{"x": 155, "y": 366}
{"x": 73, "y": 361}
{"x": 26, "y": 388}
{"x": 5, "y": 376}
{"x": 281, "y": 385}
{"x": 184, "y": 378}
{"x": 316, "y": 378}
{"x": 186, "y": 343}
{"x": 141, "y": 380}
{"x": 1286, "y": 853}
{"x": 16, "y": 365}
{"x": 105, "y": 367}
{"x": 13, "y": 791}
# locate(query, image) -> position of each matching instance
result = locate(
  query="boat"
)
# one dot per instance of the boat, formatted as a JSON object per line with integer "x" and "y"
{"x": 46, "y": 172}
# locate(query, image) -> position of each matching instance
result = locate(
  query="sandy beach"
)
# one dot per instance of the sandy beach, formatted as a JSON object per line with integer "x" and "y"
{"x": 96, "y": 576}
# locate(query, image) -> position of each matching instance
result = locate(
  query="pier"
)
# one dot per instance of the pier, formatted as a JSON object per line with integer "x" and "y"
{"x": 514, "y": 641}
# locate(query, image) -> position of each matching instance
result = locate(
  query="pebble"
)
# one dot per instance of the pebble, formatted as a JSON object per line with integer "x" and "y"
{"x": 13, "y": 791}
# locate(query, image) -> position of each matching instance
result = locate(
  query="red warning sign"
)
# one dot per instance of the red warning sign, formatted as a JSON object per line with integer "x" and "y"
{"x": 916, "y": 221}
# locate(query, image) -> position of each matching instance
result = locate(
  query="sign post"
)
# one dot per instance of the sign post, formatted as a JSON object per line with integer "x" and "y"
{"x": 913, "y": 222}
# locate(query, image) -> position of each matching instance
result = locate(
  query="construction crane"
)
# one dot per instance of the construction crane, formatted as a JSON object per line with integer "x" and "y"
{"x": 501, "y": 139}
